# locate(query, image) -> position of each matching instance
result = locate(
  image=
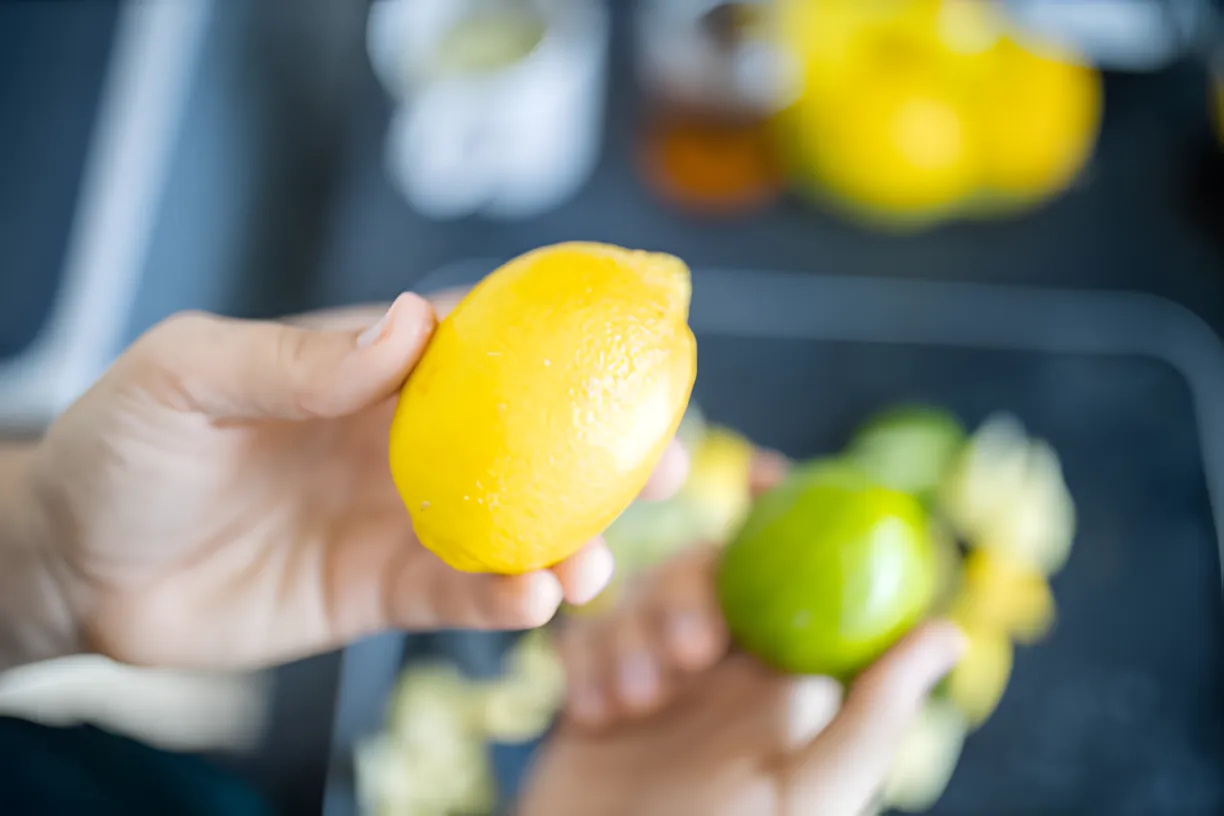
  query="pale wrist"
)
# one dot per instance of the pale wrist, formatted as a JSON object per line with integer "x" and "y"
{"x": 35, "y": 619}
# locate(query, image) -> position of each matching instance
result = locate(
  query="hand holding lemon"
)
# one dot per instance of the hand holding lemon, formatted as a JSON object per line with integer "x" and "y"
{"x": 221, "y": 497}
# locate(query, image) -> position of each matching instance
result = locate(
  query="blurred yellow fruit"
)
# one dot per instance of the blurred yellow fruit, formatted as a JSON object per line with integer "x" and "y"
{"x": 926, "y": 758}
{"x": 542, "y": 404}
{"x": 910, "y": 111}
{"x": 894, "y": 140}
{"x": 977, "y": 683}
{"x": 949, "y": 565}
{"x": 1002, "y": 594}
{"x": 717, "y": 486}
{"x": 1039, "y": 119}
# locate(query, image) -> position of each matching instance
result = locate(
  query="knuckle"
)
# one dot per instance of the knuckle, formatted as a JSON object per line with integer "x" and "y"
{"x": 185, "y": 322}
{"x": 292, "y": 355}
{"x": 166, "y": 356}
{"x": 177, "y": 332}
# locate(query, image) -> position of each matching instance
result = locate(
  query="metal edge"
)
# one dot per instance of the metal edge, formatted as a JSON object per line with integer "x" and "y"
{"x": 157, "y": 45}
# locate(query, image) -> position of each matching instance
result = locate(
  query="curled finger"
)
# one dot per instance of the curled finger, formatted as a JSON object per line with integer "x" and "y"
{"x": 840, "y": 771}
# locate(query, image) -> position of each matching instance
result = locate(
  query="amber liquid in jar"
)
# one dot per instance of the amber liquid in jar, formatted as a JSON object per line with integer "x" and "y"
{"x": 711, "y": 150}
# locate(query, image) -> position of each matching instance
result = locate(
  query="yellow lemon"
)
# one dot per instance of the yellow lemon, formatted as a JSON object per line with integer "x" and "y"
{"x": 717, "y": 488}
{"x": 879, "y": 122}
{"x": 895, "y": 142}
{"x": 1039, "y": 117}
{"x": 977, "y": 683}
{"x": 1005, "y": 595}
{"x": 542, "y": 404}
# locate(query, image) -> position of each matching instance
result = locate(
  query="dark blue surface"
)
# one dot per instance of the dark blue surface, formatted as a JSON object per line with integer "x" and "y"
{"x": 1122, "y": 710}
{"x": 53, "y": 61}
{"x": 85, "y": 770}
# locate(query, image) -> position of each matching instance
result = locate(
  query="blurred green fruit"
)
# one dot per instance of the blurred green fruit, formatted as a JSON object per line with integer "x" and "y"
{"x": 828, "y": 571}
{"x": 908, "y": 448}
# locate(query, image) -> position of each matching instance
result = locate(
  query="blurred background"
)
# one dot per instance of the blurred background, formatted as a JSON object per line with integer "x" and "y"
{"x": 890, "y": 201}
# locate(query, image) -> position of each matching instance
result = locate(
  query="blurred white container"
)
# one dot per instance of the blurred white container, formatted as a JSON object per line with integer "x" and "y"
{"x": 499, "y": 104}
{"x": 1124, "y": 35}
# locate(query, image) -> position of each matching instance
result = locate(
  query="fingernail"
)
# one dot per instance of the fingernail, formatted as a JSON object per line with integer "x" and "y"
{"x": 374, "y": 333}
{"x": 669, "y": 474}
{"x": 638, "y": 679}
{"x": 813, "y": 703}
{"x": 592, "y": 576}
{"x": 543, "y": 597}
{"x": 946, "y": 643}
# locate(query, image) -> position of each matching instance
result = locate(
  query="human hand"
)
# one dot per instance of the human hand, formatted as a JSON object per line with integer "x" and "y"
{"x": 665, "y": 718}
{"x": 221, "y": 498}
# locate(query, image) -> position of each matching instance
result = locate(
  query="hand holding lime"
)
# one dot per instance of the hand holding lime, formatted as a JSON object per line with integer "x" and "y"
{"x": 827, "y": 572}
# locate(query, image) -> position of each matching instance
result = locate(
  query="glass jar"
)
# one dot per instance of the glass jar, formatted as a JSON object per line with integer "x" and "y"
{"x": 712, "y": 80}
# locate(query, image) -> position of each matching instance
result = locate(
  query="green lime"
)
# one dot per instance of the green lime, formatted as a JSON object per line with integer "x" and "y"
{"x": 828, "y": 571}
{"x": 908, "y": 448}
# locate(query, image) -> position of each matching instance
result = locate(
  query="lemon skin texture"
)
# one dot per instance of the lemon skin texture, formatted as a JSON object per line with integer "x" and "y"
{"x": 542, "y": 404}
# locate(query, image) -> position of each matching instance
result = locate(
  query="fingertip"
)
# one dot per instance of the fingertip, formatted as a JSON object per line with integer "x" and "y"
{"x": 415, "y": 317}
{"x": 445, "y": 301}
{"x": 931, "y": 651}
{"x": 849, "y": 760}
{"x": 813, "y": 703}
{"x": 543, "y": 598}
{"x": 768, "y": 467}
{"x": 669, "y": 474}
{"x": 908, "y": 671}
{"x": 947, "y": 639}
{"x": 584, "y": 575}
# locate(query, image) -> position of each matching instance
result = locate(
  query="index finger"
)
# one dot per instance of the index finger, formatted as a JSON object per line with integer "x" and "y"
{"x": 768, "y": 467}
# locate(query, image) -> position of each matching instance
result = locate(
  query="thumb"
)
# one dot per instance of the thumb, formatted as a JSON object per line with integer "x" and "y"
{"x": 249, "y": 369}
{"x": 840, "y": 771}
